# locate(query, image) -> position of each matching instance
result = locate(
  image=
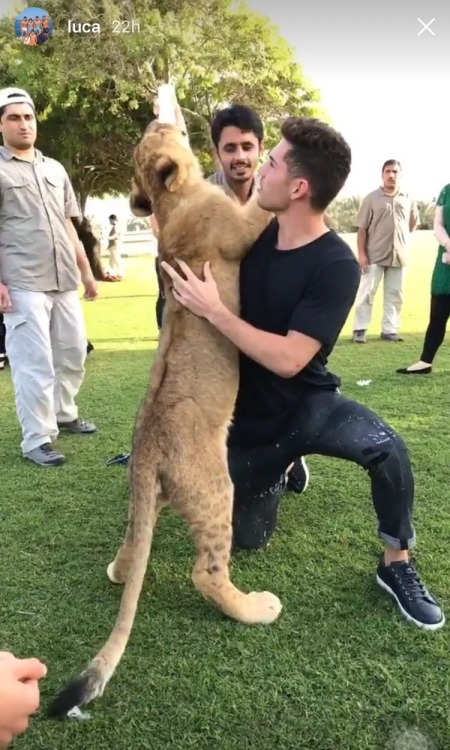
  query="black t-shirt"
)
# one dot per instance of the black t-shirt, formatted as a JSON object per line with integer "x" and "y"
{"x": 310, "y": 289}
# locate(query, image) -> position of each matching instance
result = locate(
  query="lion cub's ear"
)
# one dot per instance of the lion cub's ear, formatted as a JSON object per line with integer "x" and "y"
{"x": 172, "y": 172}
{"x": 140, "y": 205}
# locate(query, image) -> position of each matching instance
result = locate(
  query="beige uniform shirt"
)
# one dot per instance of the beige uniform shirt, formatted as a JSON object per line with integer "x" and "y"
{"x": 218, "y": 178}
{"x": 36, "y": 197}
{"x": 386, "y": 219}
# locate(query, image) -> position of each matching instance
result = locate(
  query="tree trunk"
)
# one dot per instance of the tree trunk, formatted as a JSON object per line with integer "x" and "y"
{"x": 83, "y": 195}
{"x": 92, "y": 247}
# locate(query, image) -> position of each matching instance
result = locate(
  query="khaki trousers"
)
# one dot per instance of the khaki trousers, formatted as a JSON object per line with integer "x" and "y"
{"x": 392, "y": 302}
{"x": 46, "y": 345}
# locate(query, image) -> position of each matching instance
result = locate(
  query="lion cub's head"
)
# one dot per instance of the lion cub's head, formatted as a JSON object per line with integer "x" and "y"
{"x": 163, "y": 165}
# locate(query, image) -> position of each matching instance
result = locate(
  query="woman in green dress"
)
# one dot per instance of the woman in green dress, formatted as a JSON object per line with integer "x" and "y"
{"x": 440, "y": 290}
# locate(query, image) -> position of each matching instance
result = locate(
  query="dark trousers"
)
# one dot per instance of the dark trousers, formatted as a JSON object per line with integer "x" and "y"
{"x": 326, "y": 424}
{"x": 435, "y": 333}
{"x": 160, "y": 300}
{"x": 2, "y": 335}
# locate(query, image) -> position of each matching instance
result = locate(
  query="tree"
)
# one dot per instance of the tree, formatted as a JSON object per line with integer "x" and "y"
{"x": 343, "y": 212}
{"x": 426, "y": 213}
{"x": 94, "y": 92}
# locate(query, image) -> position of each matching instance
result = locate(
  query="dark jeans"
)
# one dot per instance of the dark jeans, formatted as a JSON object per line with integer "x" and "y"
{"x": 326, "y": 424}
{"x": 160, "y": 300}
{"x": 435, "y": 333}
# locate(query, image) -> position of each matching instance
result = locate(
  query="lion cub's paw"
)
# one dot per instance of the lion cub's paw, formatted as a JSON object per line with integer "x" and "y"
{"x": 110, "y": 574}
{"x": 264, "y": 607}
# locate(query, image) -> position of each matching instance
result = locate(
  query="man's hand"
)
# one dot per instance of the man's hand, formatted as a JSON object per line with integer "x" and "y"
{"x": 19, "y": 694}
{"x": 5, "y": 302}
{"x": 363, "y": 261}
{"x": 90, "y": 287}
{"x": 200, "y": 297}
{"x": 180, "y": 122}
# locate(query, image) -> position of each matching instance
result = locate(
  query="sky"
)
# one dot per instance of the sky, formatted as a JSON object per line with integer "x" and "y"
{"x": 384, "y": 80}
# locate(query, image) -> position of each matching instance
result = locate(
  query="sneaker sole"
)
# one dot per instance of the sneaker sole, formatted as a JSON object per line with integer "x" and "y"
{"x": 46, "y": 466}
{"x": 67, "y": 431}
{"x": 306, "y": 470}
{"x": 59, "y": 462}
{"x": 305, "y": 486}
{"x": 406, "y": 615}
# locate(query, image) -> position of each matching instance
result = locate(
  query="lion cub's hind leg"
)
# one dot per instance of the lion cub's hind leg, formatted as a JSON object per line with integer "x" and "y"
{"x": 208, "y": 511}
{"x": 117, "y": 571}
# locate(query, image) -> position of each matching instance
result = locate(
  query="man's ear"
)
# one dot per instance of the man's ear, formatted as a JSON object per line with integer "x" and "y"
{"x": 172, "y": 173}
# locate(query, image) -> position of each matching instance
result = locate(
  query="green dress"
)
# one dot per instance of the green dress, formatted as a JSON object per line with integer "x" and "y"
{"x": 440, "y": 280}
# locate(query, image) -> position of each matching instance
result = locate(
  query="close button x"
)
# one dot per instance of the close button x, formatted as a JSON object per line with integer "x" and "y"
{"x": 426, "y": 27}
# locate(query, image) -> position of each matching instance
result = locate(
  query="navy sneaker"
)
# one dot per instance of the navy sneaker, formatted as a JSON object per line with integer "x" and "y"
{"x": 121, "y": 458}
{"x": 402, "y": 582}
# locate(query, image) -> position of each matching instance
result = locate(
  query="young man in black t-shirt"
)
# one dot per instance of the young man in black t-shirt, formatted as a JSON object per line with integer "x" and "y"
{"x": 237, "y": 133}
{"x": 298, "y": 285}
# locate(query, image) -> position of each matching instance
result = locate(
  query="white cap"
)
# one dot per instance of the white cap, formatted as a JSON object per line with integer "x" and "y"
{"x": 15, "y": 96}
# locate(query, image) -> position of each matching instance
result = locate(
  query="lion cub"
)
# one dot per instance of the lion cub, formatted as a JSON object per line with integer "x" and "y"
{"x": 179, "y": 450}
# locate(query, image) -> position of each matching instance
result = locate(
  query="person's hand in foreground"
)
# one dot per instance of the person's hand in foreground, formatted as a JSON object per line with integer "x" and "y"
{"x": 90, "y": 288}
{"x": 19, "y": 694}
{"x": 200, "y": 296}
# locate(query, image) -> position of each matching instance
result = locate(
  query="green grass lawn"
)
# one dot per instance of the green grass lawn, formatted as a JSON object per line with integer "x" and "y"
{"x": 340, "y": 670}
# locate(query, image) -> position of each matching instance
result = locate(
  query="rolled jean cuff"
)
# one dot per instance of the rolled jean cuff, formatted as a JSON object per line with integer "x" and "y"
{"x": 400, "y": 544}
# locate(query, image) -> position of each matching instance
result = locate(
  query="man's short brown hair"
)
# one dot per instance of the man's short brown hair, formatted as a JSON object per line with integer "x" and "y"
{"x": 320, "y": 155}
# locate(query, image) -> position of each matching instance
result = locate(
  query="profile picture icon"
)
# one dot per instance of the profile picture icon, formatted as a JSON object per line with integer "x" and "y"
{"x": 33, "y": 26}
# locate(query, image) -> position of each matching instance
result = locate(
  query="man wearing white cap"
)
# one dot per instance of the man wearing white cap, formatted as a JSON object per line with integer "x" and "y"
{"x": 41, "y": 259}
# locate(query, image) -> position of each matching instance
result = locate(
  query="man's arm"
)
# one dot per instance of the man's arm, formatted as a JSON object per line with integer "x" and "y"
{"x": 87, "y": 277}
{"x": 284, "y": 355}
{"x": 361, "y": 243}
{"x": 362, "y": 222}
{"x": 414, "y": 217}
{"x": 317, "y": 320}
{"x": 71, "y": 209}
{"x": 5, "y": 301}
{"x": 80, "y": 253}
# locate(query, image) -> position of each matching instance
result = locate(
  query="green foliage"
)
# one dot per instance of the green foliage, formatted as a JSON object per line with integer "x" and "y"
{"x": 343, "y": 211}
{"x": 94, "y": 92}
{"x": 426, "y": 212}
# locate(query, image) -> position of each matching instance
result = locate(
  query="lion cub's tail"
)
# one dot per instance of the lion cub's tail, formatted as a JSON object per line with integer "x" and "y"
{"x": 92, "y": 682}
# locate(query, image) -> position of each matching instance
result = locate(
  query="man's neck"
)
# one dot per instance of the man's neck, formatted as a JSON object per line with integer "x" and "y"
{"x": 27, "y": 154}
{"x": 296, "y": 231}
{"x": 242, "y": 190}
